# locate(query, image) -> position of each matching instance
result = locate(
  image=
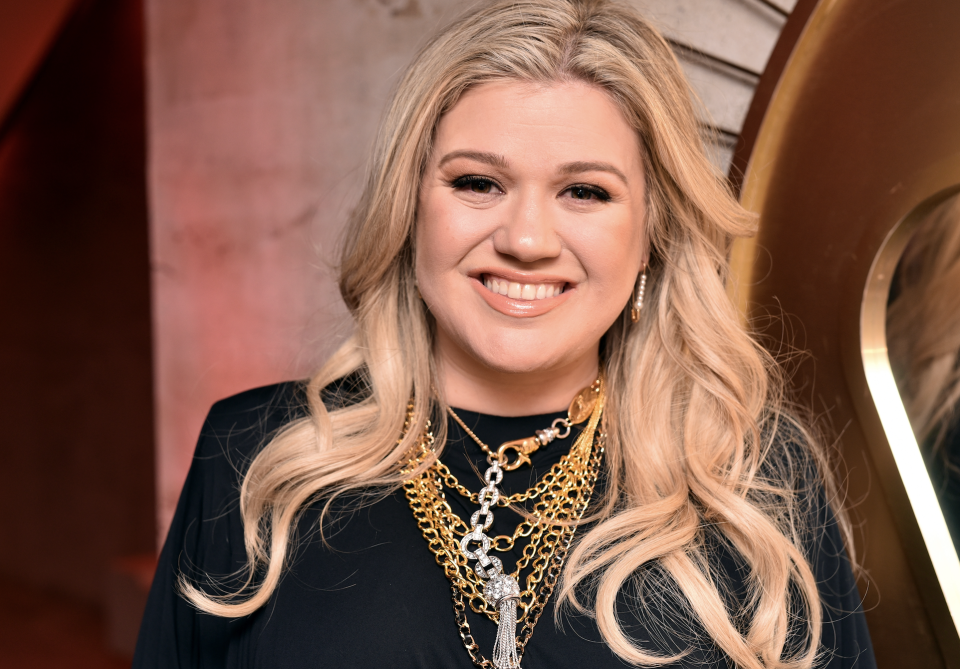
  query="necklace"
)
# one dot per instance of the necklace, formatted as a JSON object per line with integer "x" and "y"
{"x": 581, "y": 407}
{"x": 562, "y": 497}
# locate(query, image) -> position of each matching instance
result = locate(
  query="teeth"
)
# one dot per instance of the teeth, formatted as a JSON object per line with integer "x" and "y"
{"x": 522, "y": 291}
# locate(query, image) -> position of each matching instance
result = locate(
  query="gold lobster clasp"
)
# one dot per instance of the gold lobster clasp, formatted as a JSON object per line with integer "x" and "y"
{"x": 523, "y": 447}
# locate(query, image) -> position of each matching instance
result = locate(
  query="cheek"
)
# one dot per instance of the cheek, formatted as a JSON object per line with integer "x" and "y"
{"x": 433, "y": 236}
{"x": 447, "y": 231}
{"x": 611, "y": 254}
{"x": 442, "y": 239}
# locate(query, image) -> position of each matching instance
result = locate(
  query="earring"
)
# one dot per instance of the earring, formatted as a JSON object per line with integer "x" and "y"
{"x": 638, "y": 305}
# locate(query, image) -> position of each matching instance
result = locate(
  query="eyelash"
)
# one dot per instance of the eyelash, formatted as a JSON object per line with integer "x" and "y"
{"x": 467, "y": 179}
{"x": 596, "y": 191}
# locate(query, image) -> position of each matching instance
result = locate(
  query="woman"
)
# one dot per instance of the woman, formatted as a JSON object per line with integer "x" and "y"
{"x": 540, "y": 228}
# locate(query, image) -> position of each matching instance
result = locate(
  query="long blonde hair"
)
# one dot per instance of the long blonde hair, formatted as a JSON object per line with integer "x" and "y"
{"x": 693, "y": 400}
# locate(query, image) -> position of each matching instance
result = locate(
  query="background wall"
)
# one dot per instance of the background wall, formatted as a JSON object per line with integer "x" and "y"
{"x": 261, "y": 115}
{"x": 75, "y": 344}
{"x": 75, "y": 347}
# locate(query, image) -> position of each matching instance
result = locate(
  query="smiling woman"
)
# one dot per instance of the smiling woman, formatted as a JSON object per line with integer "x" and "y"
{"x": 536, "y": 273}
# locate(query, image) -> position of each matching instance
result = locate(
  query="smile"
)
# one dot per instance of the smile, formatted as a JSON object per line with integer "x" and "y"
{"x": 521, "y": 291}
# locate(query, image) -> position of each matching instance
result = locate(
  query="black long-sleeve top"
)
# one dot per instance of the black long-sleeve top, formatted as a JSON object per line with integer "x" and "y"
{"x": 374, "y": 596}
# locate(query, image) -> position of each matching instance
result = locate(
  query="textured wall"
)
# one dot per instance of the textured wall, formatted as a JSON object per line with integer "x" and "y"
{"x": 261, "y": 114}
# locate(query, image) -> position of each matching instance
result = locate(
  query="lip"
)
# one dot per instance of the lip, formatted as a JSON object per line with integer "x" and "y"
{"x": 520, "y": 276}
{"x": 520, "y": 308}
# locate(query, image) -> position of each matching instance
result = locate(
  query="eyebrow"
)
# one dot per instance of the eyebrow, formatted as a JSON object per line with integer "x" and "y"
{"x": 591, "y": 166}
{"x": 494, "y": 159}
{"x": 497, "y": 160}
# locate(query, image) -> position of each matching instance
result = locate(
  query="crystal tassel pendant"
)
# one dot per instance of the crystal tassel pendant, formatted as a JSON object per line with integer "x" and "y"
{"x": 503, "y": 592}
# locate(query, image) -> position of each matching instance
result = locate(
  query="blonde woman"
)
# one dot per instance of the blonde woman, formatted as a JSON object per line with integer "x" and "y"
{"x": 549, "y": 441}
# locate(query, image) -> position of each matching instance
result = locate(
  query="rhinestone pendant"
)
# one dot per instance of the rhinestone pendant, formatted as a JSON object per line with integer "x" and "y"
{"x": 503, "y": 592}
{"x": 499, "y": 588}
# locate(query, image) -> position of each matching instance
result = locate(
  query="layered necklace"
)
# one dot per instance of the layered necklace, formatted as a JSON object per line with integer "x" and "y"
{"x": 560, "y": 498}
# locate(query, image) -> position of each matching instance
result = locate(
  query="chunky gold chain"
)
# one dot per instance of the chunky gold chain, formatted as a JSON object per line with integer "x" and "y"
{"x": 562, "y": 496}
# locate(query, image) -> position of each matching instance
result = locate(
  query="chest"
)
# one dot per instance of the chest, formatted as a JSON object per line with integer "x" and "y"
{"x": 374, "y": 596}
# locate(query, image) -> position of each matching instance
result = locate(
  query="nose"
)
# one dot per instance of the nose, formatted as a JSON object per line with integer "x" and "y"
{"x": 528, "y": 231}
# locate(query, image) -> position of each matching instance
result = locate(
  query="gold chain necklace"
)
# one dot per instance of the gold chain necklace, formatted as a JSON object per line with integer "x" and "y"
{"x": 580, "y": 409}
{"x": 563, "y": 495}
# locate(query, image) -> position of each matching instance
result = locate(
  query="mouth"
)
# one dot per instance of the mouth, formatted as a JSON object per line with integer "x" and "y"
{"x": 526, "y": 292}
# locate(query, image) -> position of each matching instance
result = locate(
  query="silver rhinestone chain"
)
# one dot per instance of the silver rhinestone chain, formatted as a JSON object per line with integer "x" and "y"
{"x": 501, "y": 590}
{"x": 481, "y": 520}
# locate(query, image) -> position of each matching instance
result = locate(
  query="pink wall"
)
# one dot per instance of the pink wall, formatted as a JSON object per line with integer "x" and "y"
{"x": 261, "y": 113}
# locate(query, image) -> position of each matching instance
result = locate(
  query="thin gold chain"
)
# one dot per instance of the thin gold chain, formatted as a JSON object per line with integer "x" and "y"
{"x": 486, "y": 449}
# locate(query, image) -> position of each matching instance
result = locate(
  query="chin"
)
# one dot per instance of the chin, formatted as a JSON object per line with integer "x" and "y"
{"x": 522, "y": 355}
{"x": 520, "y": 364}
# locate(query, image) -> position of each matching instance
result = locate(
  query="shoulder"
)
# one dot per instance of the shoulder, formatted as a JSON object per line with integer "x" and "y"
{"x": 803, "y": 483}
{"x": 240, "y": 424}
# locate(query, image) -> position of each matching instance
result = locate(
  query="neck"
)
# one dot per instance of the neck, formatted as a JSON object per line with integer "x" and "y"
{"x": 468, "y": 384}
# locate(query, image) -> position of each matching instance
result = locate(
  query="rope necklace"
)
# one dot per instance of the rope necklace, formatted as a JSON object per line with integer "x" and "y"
{"x": 562, "y": 496}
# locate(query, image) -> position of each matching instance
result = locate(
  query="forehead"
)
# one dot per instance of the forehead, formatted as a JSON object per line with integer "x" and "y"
{"x": 564, "y": 121}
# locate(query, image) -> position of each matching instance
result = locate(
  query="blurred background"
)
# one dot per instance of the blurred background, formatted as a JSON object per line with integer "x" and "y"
{"x": 174, "y": 175}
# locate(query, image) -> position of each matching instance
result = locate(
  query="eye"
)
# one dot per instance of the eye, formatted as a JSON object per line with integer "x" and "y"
{"x": 585, "y": 193}
{"x": 476, "y": 184}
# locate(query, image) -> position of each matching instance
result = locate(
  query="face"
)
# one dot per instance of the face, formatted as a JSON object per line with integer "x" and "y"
{"x": 530, "y": 226}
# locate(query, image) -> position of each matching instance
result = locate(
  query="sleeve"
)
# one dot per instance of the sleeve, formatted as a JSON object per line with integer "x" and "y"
{"x": 845, "y": 639}
{"x": 205, "y": 544}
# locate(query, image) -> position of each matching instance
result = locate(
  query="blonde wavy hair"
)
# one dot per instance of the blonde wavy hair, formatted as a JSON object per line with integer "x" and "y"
{"x": 693, "y": 449}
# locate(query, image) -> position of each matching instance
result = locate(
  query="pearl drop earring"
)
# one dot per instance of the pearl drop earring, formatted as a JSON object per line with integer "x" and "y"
{"x": 638, "y": 305}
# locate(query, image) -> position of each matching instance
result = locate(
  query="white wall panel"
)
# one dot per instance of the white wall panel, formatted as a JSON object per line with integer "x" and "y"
{"x": 742, "y": 32}
{"x": 724, "y": 92}
{"x": 785, "y": 5}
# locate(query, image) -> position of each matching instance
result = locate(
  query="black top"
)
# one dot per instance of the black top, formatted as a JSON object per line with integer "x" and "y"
{"x": 375, "y": 596}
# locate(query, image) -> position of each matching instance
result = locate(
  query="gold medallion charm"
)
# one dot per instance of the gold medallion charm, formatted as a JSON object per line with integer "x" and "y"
{"x": 582, "y": 404}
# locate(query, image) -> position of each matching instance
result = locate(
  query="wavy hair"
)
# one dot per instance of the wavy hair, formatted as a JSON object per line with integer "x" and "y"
{"x": 694, "y": 401}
